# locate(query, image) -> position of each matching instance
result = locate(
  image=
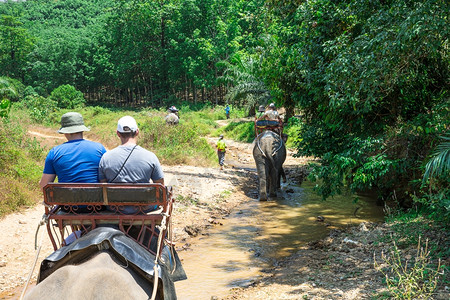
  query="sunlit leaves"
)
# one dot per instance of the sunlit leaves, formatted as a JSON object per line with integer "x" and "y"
{"x": 5, "y": 105}
{"x": 15, "y": 44}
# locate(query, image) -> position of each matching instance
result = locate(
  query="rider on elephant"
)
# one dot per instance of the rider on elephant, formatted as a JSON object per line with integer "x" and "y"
{"x": 271, "y": 113}
{"x": 270, "y": 119}
{"x": 172, "y": 118}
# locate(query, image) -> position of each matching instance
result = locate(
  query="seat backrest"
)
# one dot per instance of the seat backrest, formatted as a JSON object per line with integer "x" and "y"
{"x": 105, "y": 194}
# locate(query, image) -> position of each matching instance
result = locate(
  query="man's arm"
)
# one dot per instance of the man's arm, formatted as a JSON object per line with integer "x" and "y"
{"x": 46, "y": 178}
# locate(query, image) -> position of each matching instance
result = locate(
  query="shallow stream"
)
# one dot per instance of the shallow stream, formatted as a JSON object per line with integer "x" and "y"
{"x": 257, "y": 234}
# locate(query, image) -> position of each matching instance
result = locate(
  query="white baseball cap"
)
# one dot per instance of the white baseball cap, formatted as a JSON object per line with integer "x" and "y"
{"x": 127, "y": 124}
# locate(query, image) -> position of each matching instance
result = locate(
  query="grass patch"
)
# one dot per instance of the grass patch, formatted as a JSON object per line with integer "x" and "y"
{"x": 223, "y": 195}
{"x": 186, "y": 201}
{"x": 14, "y": 195}
{"x": 208, "y": 111}
{"x": 22, "y": 158}
{"x": 179, "y": 144}
{"x": 245, "y": 131}
{"x": 239, "y": 131}
{"x": 415, "y": 277}
{"x": 410, "y": 226}
{"x": 21, "y": 161}
{"x": 182, "y": 144}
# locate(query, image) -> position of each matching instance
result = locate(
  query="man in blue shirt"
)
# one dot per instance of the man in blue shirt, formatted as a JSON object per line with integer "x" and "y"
{"x": 76, "y": 160}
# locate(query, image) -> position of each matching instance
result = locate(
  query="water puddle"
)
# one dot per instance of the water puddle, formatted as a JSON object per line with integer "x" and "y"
{"x": 257, "y": 234}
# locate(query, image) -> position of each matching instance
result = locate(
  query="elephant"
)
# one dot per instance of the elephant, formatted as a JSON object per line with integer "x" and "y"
{"x": 269, "y": 152}
{"x": 107, "y": 264}
{"x": 101, "y": 277}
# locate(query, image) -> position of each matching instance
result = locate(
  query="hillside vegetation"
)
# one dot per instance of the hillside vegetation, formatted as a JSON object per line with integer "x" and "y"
{"x": 364, "y": 84}
{"x": 22, "y": 157}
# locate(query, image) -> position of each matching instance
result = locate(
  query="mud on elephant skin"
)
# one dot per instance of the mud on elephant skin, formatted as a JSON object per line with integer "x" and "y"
{"x": 269, "y": 152}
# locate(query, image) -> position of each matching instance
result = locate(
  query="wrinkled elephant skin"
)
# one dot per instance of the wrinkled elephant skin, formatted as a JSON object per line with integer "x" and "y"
{"x": 269, "y": 152}
{"x": 99, "y": 278}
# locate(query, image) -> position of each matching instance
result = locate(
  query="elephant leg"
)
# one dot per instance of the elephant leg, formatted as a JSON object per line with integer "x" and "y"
{"x": 281, "y": 174}
{"x": 261, "y": 170}
{"x": 273, "y": 183}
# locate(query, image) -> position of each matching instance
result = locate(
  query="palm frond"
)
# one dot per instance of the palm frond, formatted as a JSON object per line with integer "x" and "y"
{"x": 7, "y": 88}
{"x": 439, "y": 163}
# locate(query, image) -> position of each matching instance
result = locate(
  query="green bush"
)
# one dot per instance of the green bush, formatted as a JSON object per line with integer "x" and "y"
{"x": 67, "y": 96}
{"x": 292, "y": 129}
{"x": 370, "y": 80}
{"x": 39, "y": 107}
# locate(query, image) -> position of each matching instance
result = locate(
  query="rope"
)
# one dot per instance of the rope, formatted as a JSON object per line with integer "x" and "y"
{"x": 123, "y": 164}
{"x": 259, "y": 146}
{"x": 38, "y": 250}
{"x": 158, "y": 251}
{"x": 172, "y": 246}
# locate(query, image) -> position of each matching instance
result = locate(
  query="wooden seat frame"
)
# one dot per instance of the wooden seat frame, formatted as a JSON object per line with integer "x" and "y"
{"x": 278, "y": 129}
{"x": 62, "y": 208}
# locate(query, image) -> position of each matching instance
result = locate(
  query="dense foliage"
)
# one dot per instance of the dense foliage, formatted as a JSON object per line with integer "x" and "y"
{"x": 135, "y": 52}
{"x": 371, "y": 78}
{"x": 66, "y": 96}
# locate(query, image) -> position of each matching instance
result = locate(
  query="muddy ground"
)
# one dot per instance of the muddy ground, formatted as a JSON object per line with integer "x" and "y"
{"x": 338, "y": 267}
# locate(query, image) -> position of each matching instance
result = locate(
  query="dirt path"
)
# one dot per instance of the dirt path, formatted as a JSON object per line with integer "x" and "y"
{"x": 203, "y": 196}
{"x": 338, "y": 267}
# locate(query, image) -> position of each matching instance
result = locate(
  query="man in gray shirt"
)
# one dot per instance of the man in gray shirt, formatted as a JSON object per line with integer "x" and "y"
{"x": 130, "y": 163}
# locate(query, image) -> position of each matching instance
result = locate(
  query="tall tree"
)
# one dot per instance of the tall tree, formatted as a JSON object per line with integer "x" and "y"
{"x": 15, "y": 45}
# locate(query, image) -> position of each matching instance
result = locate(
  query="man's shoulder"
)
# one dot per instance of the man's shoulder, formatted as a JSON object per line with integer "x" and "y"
{"x": 112, "y": 152}
{"x": 146, "y": 151}
{"x": 92, "y": 143}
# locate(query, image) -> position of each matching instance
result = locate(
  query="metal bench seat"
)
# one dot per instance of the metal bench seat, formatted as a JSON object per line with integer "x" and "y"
{"x": 82, "y": 207}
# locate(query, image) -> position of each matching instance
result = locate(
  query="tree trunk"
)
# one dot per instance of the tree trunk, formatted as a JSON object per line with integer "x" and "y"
{"x": 289, "y": 107}
{"x": 195, "y": 93}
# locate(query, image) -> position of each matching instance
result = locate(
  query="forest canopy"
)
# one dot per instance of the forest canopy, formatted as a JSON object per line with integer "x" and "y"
{"x": 369, "y": 79}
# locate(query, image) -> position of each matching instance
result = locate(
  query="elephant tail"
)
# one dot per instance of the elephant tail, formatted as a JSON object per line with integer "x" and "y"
{"x": 279, "y": 147}
{"x": 272, "y": 162}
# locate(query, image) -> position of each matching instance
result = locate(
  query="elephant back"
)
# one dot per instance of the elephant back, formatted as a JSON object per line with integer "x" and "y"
{"x": 269, "y": 143}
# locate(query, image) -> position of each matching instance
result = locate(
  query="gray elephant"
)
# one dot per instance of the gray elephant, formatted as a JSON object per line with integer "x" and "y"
{"x": 269, "y": 152}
